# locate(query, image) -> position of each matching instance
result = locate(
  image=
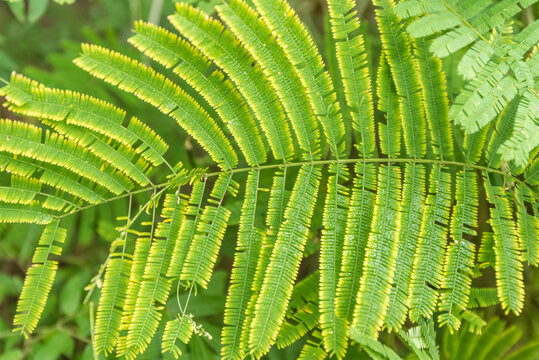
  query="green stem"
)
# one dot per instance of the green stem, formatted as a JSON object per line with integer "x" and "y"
{"x": 464, "y": 21}
{"x": 155, "y": 11}
{"x": 165, "y": 185}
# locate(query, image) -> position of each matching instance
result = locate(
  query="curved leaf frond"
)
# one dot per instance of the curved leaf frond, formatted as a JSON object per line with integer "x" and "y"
{"x": 152, "y": 87}
{"x": 39, "y": 279}
{"x": 219, "y": 45}
{"x": 347, "y": 220}
{"x": 283, "y": 266}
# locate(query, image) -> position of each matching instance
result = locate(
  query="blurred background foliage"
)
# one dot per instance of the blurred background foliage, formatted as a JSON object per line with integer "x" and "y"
{"x": 40, "y": 38}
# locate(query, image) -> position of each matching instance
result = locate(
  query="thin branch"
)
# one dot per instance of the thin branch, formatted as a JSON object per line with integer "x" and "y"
{"x": 388, "y": 161}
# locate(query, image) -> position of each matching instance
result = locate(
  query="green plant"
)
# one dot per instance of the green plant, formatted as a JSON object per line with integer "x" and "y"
{"x": 398, "y": 188}
{"x": 494, "y": 343}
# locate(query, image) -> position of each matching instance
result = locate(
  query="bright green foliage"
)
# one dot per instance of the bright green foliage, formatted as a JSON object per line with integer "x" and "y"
{"x": 531, "y": 174}
{"x": 436, "y": 104}
{"x": 27, "y": 97}
{"x": 527, "y": 226}
{"x": 354, "y": 73}
{"x": 495, "y": 342}
{"x": 483, "y": 297}
{"x": 331, "y": 245}
{"x": 302, "y": 315}
{"x": 503, "y": 128}
{"x": 154, "y": 88}
{"x": 283, "y": 266}
{"x": 188, "y": 228}
{"x": 358, "y": 225}
{"x": 460, "y": 253}
{"x": 243, "y": 273}
{"x": 61, "y": 179}
{"x": 334, "y": 299}
{"x": 278, "y": 199}
{"x": 429, "y": 256}
{"x": 398, "y": 48}
{"x": 485, "y": 256}
{"x": 178, "y": 329}
{"x": 112, "y": 300}
{"x": 506, "y": 249}
{"x": 21, "y": 190}
{"x": 496, "y": 64}
{"x": 390, "y": 132}
{"x": 299, "y": 47}
{"x": 380, "y": 254}
{"x": 473, "y": 145}
{"x": 39, "y": 279}
{"x": 454, "y": 16}
{"x": 254, "y": 33}
{"x": 412, "y": 210}
{"x": 220, "y": 46}
{"x": 154, "y": 287}
{"x": 25, "y": 140}
{"x": 493, "y": 88}
{"x": 167, "y": 49}
{"x": 26, "y": 191}
{"x": 140, "y": 254}
{"x": 210, "y": 230}
{"x": 313, "y": 350}
{"x": 335, "y": 237}
{"x": 524, "y": 138}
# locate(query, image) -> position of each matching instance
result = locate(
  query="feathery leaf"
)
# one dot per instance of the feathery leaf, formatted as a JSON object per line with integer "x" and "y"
{"x": 507, "y": 250}
{"x": 380, "y": 254}
{"x": 210, "y": 37}
{"x": 429, "y": 256}
{"x": 152, "y": 87}
{"x": 39, "y": 279}
{"x": 284, "y": 263}
{"x": 167, "y": 49}
{"x": 297, "y": 42}
{"x": 413, "y": 195}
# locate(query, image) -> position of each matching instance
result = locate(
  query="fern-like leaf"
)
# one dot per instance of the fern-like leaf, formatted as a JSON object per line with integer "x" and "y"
{"x": 140, "y": 254}
{"x": 429, "y": 256}
{"x": 358, "y": 225}
{"x": 170, "y": 51}
{"x": 155, "y": 286}
{"x": 284, "y": 263}
{"x": 307, "y": 61}
{"x": 331, "y": 245}
{"x": 460, "y": 254}
{"x": 254, "y": 33}
{"x": 154, "y": 88}
{"x": 399, "y": 57}
{"x": 275, "y": 214}
{"x": 354, "y": 74}
{"x": 433, "y": 87}
{"x": 243, "y": 273}
{"x": 112, "y": 300}
{"x": 210, "y": 230}
{"x": 39, "y": 279}
{"x": 178, "y": 329}
{"x": 527, "y": 226}
{"x": 25, "y": 140}
{"x": 28, "y": 97}
{"x": 507, "y": 250}
{"x": 413, "y": 194}
{"x": 189, "y": 224}
{"x": 379, "y": 264}
{"x": 220, "y": 46}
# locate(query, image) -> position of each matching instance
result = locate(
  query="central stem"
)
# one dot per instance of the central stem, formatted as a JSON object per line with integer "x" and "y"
{"x": 314, "y": 162}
